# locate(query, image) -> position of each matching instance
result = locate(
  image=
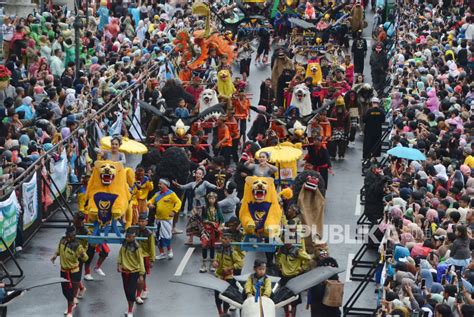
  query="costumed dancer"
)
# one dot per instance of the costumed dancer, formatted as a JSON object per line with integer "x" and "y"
{"x": 373, "y": 120}
{"x": 258, "y": 284}
{"x": 212, "y": 223}
{"x": 227, "y": 260}
{"x": 78, "y": 222}
{"x": 341, "y": 125}
{"x": 318, "y": 159}
{"x": 235, "y": 235}
{"x": 224, "y": 145}
{"x": 103, "y": 250}
{"x": 148, "y": 252}
{"x": 241, "y": 105}
{"x": 292, "y": 261}
{"x": 141, "y": 189}
{"x": 70, "y": 251}
{"x": 166, "y": 204}
{"x": 359, "y": 50}
{"x": 130, "y": 263}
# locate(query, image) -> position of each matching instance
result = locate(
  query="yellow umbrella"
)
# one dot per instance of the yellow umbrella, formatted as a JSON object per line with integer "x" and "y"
{"x": 285, "y": 156}
{"x": 283, "y": 153}
{"x": 128, "y": 146}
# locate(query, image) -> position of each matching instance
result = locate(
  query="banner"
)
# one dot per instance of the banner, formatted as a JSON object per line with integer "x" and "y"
{"x": 9, "y": 220}
{"x": 60, "y": 175}
{"x": 29, "y": 202}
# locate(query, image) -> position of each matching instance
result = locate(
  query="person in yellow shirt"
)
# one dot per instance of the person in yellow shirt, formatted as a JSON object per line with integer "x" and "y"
{"x": 227, "y": 260}
{"x": 259, "y": 281}
{"x": 140, "y": 191}
{"x": 166, "y": 204}
{"x": 70, "y": 251}
{"x": 292, "y": 261}
{"x": 130, "y": 263}
{"x": 469, "y": 161}
{"x": 148, "y": 250}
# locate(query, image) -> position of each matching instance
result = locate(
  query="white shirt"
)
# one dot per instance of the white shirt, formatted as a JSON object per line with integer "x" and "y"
{"x": 7, "y": 32}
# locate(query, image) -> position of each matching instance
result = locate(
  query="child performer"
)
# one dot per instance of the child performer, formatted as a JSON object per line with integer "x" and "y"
{"x": 148, "y": 250}
{"x": 212, "y": 222}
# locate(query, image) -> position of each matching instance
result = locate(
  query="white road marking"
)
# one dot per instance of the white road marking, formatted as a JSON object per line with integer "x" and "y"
{"x": 358, "y": 208}
{"x": 184, "y": 262}
{"x": 350, "y": 257}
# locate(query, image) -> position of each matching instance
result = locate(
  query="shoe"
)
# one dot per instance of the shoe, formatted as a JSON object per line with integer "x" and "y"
{"x": 66, "y": 314}
{"x": 139, "y": 300}
{"x": 75, "y": 301}
{"x": 170, "y": 255}
{"x": 203, "y": 268}
{"x": 211, "y": 268}
{"x": 127, "y": 314}
{"x": 341, "y": 158}
{"x": 99, "y": 271}
{"x": 177, "y": 231}
{"x": 18, "y": 249}
{"x": 88, "y": 277}
{"x": 81, "y": 293}
{"x": 162, "y": 256}
{"x": 144, "y": 295}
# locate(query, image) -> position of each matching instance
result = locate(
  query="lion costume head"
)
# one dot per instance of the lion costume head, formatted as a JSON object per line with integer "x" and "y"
{"x": 260, "y": 212}
{"x": 207, "y": 99}
{"x": 301, "y": 99}
{"x": 313, "y": 70}
{"x": 225, "y": 86}
{"x": 108, "y": 192}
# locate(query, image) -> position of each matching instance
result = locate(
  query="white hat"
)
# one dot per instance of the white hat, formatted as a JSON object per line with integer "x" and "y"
{"x": 375, "y": 100}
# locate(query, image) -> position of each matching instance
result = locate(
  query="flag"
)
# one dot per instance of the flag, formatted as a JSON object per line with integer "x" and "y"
{"x": 136, "y": 127}
{"x": 116, "y": 128}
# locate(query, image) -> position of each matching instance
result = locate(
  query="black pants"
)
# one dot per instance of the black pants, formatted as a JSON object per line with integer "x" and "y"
{"x": 68, "y": 287}
{"x": 130, "y": 281}
{"x": 219, "y": 302}
{"x": 235, "y": 150}
{"x": 325, "y": 175}
{"x": 243, "y": 129}
{"x": 226, "y": 152}
{"x": 212, "y": 251}
{"x": 337, "y": 148}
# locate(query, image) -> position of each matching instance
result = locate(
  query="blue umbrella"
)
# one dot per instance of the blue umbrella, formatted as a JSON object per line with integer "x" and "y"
{"x": 407, "y": 153}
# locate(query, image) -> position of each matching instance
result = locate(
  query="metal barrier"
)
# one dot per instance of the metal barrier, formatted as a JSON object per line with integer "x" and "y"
{"x": 46, "y": 184}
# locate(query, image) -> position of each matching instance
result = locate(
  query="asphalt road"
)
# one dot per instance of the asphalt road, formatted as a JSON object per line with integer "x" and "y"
{"x": 105, "y": 296}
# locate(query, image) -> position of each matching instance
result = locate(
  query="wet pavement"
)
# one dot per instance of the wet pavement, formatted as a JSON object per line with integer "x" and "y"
{"x": 105, "y": 296}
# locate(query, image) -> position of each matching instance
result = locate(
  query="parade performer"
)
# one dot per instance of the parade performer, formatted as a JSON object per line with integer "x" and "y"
{"x": 148, "y": 253}
{"x": 258, "y": 283}
{"x": 318, "y": 159}
{"x": 225, "y": 86}
{"x": 103, "y": 250}
{"x": 70, "y": 251}
{"x": 141, "y": 189}
{"x": 292, "y": 261}
{"x": 131, "y": 265}
{"x": 341, "y": 125}
{"x": 359, "y": 50}
{"x": 301, "y": 99}
{"x": 281, "y": 63}
{"x": 227, "y": 260}
{"x": 241, "y": 105}
{"x": 212, "y": 223}
{"x": 78, "y": 221}
{"x": 166, "y": 204}
{"x": 260, "y": 212}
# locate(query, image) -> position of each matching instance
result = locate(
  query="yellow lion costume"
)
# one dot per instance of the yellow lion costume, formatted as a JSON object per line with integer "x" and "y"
{"x": 313, "y": 70}
{"x": 108, "y": 193}
{"x": 260, "y": 211}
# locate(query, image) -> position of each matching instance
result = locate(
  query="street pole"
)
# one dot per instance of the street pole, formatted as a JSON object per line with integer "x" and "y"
{"x": 77, "y": 43}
